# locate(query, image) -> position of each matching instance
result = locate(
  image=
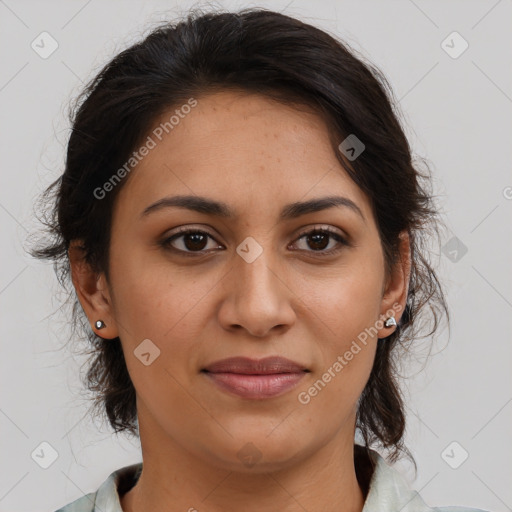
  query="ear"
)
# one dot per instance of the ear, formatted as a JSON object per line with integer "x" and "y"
{"x": 396, "y": 287}
{"x": 92, "y": 291}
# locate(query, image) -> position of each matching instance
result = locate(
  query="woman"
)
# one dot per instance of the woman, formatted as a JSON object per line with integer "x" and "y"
{"x": 242, "y": 223}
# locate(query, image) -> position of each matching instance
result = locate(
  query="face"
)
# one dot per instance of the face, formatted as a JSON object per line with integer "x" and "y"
{"x": 254, "y": 284}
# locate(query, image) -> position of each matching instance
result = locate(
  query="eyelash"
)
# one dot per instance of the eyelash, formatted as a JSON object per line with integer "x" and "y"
{"x": 186, "y": 231}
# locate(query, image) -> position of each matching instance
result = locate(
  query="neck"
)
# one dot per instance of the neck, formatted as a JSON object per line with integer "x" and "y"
{"x": 174, "y": 480}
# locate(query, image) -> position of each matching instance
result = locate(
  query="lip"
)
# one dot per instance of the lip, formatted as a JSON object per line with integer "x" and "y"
{"x": 247, "y": 366}
{"x": 255, "y": 379}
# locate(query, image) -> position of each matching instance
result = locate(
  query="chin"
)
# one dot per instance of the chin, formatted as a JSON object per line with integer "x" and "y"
{"x": 259, "y": 450}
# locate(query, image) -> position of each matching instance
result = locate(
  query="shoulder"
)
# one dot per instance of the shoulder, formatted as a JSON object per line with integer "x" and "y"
{"x": 106, "y": 498}
{"x": 82, "y": 504}
{"x": 389, "y": 491}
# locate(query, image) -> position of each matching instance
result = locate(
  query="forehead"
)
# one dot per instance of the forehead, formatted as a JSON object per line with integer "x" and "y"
{"x": 243, "y": 149}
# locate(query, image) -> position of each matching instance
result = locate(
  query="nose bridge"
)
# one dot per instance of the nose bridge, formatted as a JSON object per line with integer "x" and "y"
{"x": 255, "y": 269}
{"x": 258, "y": 299}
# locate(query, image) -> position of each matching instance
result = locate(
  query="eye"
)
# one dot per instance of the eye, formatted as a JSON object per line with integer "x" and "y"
{"x": 193, "y": 241}
{"x": 319, "y": 239}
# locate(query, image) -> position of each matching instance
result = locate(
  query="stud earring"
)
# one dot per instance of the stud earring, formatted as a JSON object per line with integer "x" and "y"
{"x": 100, "y": 324}
{"x": 390, "y": 322}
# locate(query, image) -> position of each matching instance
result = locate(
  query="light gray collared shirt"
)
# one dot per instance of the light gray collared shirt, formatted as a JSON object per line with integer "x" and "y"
{"x": 388, "y": 492}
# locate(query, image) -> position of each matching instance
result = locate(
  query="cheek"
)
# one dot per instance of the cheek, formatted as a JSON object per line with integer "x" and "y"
{"x": 155, "y": 298}
{"x": 345, "y": 313}
{"x": 163, "y": 306}
{"x": 346, "y": 307}
{"x": 346, "y": 301}
{"x": 169, "y": 308}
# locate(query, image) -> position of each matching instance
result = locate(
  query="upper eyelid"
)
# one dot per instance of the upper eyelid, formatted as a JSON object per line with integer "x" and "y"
{"x": 323, "y": 227}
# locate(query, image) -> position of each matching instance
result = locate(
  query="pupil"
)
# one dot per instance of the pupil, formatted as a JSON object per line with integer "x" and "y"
{"x": 197, "y": 241}
{"x": 316, "y": 238}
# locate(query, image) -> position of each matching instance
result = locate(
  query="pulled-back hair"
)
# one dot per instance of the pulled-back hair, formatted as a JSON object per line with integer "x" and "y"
{"x": 271, "y": 54}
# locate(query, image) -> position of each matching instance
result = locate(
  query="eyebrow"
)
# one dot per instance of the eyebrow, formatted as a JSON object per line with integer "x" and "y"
{"x": 220, "y": 209}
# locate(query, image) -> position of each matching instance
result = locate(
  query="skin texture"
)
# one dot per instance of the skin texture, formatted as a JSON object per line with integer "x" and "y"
{"x": 256, "y": 155}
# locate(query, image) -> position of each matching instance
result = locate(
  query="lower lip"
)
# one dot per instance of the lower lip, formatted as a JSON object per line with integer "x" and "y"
{"x": 256, "y": 386}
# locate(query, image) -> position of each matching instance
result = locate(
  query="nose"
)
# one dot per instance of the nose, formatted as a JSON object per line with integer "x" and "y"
{"x": 257, "y": 297}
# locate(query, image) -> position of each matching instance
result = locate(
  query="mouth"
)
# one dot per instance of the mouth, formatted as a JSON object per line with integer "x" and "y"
{"x": 255, "y": 379}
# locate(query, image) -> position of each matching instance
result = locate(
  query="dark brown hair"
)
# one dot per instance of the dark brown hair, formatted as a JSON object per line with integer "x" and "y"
{"x": 275, "y": 55}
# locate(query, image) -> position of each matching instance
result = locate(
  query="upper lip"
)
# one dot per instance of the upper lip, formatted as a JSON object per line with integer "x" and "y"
{"x": 265, "y": 366}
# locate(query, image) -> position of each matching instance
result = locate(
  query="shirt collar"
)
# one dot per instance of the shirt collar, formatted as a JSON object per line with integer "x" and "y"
{"x": 107, "y": 495}
{"x": 390, "y": 492}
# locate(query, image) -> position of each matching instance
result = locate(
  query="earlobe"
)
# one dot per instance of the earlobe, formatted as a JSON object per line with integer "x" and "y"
{"x": 92, "y": 292}
{"x": 397, "y": 289}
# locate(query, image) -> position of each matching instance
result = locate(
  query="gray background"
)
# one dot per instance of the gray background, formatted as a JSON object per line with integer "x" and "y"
{"x": 457, "y": 114}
